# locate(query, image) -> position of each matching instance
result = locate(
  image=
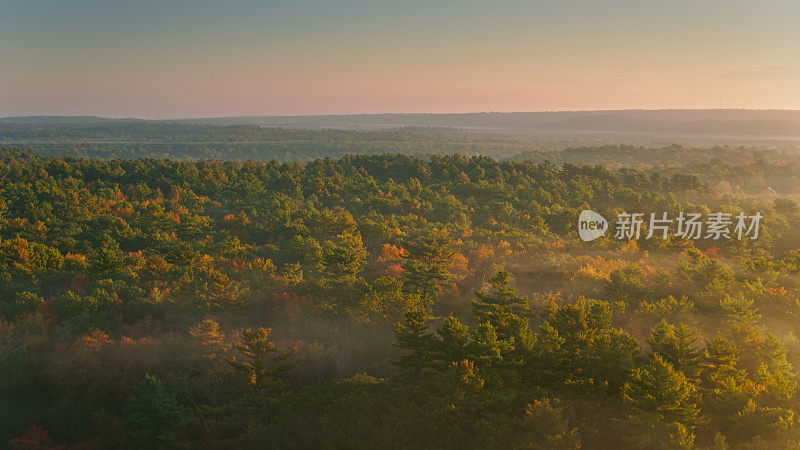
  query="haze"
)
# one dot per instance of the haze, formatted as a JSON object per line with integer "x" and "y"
{"x": 199, "y": 58}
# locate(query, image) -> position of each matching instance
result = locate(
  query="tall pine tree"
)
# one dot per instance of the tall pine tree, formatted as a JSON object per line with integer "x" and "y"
{"x": 502, "y": 308}
{"x": 155, "y": 416}
{"x": 674, "y": 345}
{"x": 658, "y": 387}
{"x": 425, "y": 267}
{"x": 261, "y": 359}
{"x": 412, "y": 335}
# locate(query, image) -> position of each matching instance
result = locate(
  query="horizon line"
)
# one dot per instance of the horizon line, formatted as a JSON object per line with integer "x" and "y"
{"x": 27, "y": 116}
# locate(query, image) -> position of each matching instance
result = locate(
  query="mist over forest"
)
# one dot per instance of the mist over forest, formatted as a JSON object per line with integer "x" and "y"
{"x": 398, "y": 281}
{"x": 537, "y": 136}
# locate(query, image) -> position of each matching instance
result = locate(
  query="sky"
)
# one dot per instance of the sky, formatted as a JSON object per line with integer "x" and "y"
{"x": 200, "y": 58}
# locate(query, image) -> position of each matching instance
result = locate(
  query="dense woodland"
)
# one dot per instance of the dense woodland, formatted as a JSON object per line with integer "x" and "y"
{"x": 108, "y": 139}
{"x": 394, "y": 301}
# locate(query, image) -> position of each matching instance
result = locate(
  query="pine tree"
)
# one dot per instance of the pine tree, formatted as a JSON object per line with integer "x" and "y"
{"x": 155, "y": 416}
{"x": 427, "y": 260}
{"x": 210, "y": 336}
{"x": 546, "y": 363}
{"x": 495, "y": 306}
{"x": 486, "y": 349}
{"x": 108, "y": 256}
{"x": 719, "y": 360}
{"x": 344, "y": 257}
{"x": 413, "y": 335}
{"x": 658, "y": 387}
{"x": 422, "y": 279}
{"x": 674, "y": 345}
{"x": 262, "y": 361}
{"x": 450, "y": 342}
{"x": 501, "y": 308}
{"x": 544, "y": 426}
{"x": 756, "y": 348}
{"x": 577, "y": 323}
{"x": 609, "y": 357}
{"x": 460, "y": 383}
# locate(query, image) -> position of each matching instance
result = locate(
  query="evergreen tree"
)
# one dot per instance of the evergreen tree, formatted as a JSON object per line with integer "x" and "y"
{"x": 108, "y": 257}
{"x": 485, "y": 348}
{"x": 344, "y": 257}
{"x": 658, "y": 387}
{"x": 261, "y": 359}
{"x": 500, "y": 308}
{"x": 577, "y": 323}
{"x": 450, "y": 342}
{"x": 544, "y": 426}
{"x": 425, "y": 266}
{"x": 674, "y": 345}
{"x": 155, "y": 416}
{"x": 757, "y": 349}
{"x": 545, "y": 365}
{"x": 412, "y": 335}
{"x": 210, "y": 336}
{"x": 719, "y": 360}
{"x": 609, "y": 358}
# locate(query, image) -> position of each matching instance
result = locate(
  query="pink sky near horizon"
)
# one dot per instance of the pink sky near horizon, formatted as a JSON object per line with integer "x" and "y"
{"x": 198, "y": 59}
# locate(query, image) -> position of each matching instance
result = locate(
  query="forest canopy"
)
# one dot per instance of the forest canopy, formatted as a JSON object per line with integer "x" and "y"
{"x": 395, "y": 301}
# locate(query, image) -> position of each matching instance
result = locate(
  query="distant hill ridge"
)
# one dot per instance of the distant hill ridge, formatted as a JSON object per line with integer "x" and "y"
{"x": 659, "y": 123}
